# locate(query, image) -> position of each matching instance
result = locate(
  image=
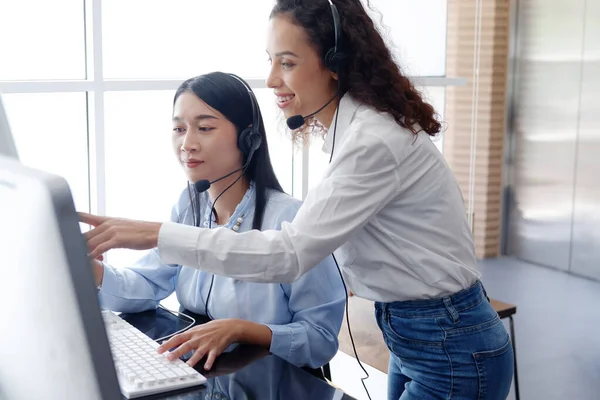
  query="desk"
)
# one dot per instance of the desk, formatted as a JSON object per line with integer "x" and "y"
{"x": 246, "y": 372}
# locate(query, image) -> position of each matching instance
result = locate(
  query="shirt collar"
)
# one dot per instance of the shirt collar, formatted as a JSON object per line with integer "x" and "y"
{"x": 242, "y": 210}
{"x": 346, "y": 109}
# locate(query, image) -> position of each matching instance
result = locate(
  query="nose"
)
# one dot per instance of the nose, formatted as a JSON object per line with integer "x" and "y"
{"x": 189, "y": 143}
{"x": 273, "y": 80}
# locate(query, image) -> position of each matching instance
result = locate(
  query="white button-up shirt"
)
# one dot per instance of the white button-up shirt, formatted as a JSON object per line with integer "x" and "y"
{"x": 388, "y": 206}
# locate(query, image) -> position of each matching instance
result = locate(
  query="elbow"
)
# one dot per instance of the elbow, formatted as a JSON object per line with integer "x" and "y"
{"x": 324, "y": 346}
{"x": 326, "y": 352}
{"x": 287, "y": 275}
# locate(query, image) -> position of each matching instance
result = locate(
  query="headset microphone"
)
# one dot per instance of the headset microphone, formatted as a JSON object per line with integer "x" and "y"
{"x": 296, "y": 121}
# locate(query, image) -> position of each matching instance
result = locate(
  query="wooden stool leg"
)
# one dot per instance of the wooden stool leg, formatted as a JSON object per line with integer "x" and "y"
{"x": 512, "y": 338}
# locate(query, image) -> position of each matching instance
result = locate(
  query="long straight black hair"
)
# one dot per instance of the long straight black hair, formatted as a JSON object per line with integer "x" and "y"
{"x": 230, "y": 97}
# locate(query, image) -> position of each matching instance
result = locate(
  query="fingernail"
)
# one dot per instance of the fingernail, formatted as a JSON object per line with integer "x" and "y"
{"x": 207, "y": 366}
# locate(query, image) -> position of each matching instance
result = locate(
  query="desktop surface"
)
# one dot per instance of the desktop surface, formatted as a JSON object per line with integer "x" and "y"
{"x": 245, "y": 372}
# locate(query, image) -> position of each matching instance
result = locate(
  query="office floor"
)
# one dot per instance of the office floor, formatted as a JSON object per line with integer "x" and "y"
{"x": 557, "y": 328}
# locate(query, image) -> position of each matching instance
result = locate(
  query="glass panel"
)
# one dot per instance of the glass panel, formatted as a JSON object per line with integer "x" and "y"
{"x": 50, "y": 131}
{"x": 143, "y": 178}
{"x": 417, "y": 30}
{"x": 42, "y": 40}
{"x": 179, "y": 39}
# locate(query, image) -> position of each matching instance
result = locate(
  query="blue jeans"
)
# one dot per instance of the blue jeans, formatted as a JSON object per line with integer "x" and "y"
{"x": 453, "y": 347}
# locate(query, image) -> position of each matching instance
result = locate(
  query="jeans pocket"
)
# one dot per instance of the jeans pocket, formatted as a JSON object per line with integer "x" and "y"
{"x": 415, "y": 331}
{"x": 495, "y": 369}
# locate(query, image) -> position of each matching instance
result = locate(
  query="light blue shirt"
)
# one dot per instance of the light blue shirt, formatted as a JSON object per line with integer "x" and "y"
{"x": 304, "y": 316}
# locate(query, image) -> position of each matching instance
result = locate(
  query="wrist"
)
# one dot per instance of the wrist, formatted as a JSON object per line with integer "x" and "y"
{"x": 239, "y": 331}
{"x": 251, "y": 333}
{"x": 153, "y": 234}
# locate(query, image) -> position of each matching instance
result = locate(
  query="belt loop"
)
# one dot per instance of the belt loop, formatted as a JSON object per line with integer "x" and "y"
{"x": 451, "y": 310}
{"x": 384, "y": 312}
{"x": 484, "y": 291}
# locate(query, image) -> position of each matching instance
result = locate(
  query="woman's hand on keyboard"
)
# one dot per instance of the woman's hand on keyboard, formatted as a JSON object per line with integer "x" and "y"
{"x": 212, "y": 338}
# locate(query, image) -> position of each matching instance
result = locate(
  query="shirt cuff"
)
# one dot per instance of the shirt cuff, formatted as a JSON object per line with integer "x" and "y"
{"x": 281, "y": 340}
{"x": 177, "y": 244}
{"x": 110, "y": 281}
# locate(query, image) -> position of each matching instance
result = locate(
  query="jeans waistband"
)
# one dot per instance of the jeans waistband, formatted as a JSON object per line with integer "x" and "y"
{"x": 460, "y": 301}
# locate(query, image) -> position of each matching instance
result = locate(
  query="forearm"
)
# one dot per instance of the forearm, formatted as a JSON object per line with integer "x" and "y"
{"x": 137, "y": 288}
{"x": 253, "y": 333}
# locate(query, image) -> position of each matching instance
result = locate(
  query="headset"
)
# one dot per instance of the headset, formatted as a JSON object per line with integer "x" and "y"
{"x": 249, "y": 139}
{"x": 336, "y": 59}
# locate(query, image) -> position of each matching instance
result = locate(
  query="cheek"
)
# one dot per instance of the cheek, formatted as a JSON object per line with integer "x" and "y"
{"x": 223, "y": 154}
{"x": 176, "y": 143}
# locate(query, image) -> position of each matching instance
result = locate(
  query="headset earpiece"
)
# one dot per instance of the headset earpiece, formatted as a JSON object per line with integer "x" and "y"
{"x": 335, "y": 59}
{"x": 249, "y": 139}
{"x": 248, "y": 142}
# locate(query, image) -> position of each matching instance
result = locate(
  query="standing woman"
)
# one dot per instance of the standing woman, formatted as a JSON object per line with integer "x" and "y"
{"x": 388, "y": 206}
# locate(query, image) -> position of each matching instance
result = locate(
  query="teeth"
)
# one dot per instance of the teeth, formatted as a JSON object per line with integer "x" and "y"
{"x": 283, "y": 99}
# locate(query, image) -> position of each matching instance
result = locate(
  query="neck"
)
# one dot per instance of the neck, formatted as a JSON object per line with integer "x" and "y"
{"x": 229, "y": 200}
{"x": 325, "y": 116}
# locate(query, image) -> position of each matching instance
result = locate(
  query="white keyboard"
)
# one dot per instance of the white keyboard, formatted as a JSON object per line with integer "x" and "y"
{"x": 140, "y": 369}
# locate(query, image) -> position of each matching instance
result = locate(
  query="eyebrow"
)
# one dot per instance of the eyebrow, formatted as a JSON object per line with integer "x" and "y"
{"x": 286, "y": 53}
{"x": 199, "y": 117}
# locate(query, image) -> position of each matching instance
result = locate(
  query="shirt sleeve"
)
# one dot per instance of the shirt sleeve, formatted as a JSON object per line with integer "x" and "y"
{"x": 359, "y": 183}
{"x": 137, "y": 288}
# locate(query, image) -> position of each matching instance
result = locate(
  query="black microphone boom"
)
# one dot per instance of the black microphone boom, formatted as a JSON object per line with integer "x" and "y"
{"x": 203, "y": 184}
{"x": 296, "y": 121}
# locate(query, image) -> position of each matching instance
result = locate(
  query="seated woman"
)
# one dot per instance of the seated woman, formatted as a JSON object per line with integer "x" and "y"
{"x": 298, "y": 322}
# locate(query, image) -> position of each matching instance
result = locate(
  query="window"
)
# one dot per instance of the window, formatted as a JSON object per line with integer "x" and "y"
{"x": 42, "y": 40}
{"x": 416, "y": 30}
{"x": 184, "y": 38}
{"x": 50, "y": 132}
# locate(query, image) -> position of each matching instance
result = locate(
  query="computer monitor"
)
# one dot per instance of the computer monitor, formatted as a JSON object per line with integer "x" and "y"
{"x": 54, "y": 342}
{"x": 7, "y": 144}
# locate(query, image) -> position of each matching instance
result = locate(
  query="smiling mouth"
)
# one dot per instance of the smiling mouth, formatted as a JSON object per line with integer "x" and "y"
{"x": 284, "y": 101}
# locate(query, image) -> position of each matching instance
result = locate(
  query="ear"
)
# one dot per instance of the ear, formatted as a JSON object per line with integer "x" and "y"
{"x": 334, "y": 76}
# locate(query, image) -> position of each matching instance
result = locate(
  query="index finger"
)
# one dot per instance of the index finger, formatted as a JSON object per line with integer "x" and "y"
{"x": 90, "y": 219}
{"x": 171, "y": 343}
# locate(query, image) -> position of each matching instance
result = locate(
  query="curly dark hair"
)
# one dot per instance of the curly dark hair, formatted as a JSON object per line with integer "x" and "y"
{"x": 371, "y": 75}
